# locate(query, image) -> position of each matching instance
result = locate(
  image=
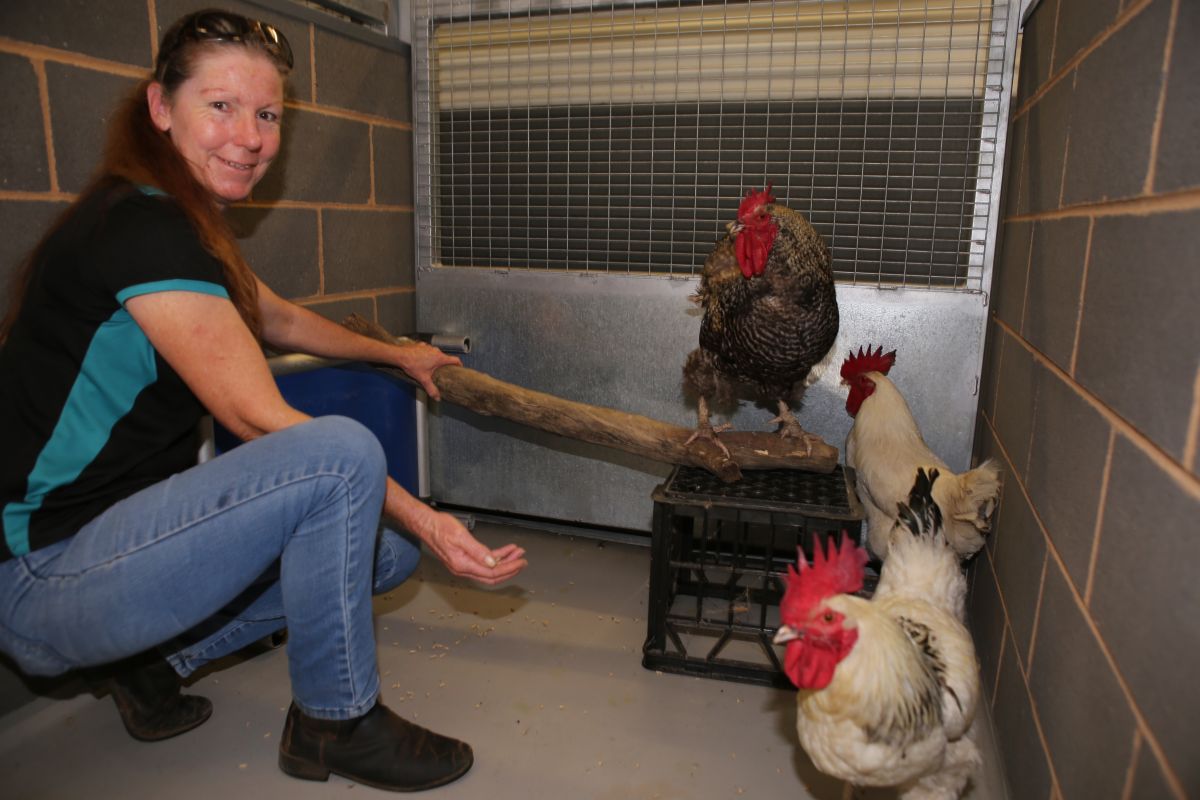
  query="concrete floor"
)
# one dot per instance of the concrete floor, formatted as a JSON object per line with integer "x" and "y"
{"x": 543, "y": 678}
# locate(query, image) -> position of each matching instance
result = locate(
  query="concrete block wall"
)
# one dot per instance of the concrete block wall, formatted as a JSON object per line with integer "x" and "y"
{"x": 1083, "y": 604}
{"x": 331, "y": 225}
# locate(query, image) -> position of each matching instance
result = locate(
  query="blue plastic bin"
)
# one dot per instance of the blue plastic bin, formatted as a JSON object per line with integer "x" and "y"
{"x": 385, "y": 405}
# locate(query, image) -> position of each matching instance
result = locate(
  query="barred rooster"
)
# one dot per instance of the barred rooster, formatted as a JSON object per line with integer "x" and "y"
{"x": 770, "y": 315}
{"x": 888, "y": 687}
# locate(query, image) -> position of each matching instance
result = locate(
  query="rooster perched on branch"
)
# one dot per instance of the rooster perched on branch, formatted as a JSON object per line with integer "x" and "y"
{"x": 770, "y": 314}
{"x": 886, "y": 449}
{"x": 888, "y": 687}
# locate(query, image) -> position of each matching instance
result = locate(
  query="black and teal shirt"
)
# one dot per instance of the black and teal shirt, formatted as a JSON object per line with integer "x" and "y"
{"x": 89, "y": 412}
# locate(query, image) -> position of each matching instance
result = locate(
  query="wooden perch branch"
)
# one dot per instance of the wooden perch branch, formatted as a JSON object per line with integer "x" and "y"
{"x": 658, "y": 441}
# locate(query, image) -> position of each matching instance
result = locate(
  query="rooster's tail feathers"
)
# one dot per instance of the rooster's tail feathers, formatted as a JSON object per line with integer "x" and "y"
{"x": 921, "y": 514}
{"x": 980, "y": 491}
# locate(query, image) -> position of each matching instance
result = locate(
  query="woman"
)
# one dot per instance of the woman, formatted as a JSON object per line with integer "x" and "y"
{"x": 135, "y": 316}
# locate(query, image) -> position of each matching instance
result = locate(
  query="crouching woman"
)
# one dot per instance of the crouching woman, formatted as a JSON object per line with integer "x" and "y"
{"x": 135, "y": 316}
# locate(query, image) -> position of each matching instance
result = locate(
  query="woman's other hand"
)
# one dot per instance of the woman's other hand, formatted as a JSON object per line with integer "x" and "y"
{"x": 420, "y": 360}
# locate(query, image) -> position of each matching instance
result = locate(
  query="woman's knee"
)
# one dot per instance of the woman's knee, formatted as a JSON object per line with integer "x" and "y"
{"x": 334, "y": 465}
{"x": 349, "y": 448}
{"x": 32, "y": 657}
{"x": 337, "y": 434}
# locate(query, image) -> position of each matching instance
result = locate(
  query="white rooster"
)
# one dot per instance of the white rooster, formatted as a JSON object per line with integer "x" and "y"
{"x": 888, "y": 687}
{"x": 885, "y": 448}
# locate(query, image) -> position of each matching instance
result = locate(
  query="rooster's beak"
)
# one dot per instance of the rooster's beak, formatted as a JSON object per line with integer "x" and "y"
{"x": 786, "y": 633}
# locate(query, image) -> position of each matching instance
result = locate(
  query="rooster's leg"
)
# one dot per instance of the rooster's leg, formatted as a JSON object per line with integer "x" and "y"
{"x": 789, "y": 428}
{"x": 705, "y": 430}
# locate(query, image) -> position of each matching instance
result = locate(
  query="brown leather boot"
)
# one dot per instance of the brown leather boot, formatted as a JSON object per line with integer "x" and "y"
{"x": 146, "y": 691}
{"x": 378, "y": 749}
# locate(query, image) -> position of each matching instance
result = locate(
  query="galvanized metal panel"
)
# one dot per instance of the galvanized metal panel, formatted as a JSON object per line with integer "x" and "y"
{"x": 620, "y": 341}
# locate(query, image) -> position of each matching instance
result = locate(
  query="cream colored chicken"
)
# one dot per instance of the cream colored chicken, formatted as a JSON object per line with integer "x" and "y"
{"x": 885, "y": 448}
{"x": 888, "y": 687}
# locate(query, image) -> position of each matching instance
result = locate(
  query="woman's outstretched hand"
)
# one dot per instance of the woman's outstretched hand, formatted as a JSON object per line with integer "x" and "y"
{"x": 466, "y": 556}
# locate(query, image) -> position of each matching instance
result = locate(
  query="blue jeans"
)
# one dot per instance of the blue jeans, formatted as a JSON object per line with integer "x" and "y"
{"x": 283, "y": 530}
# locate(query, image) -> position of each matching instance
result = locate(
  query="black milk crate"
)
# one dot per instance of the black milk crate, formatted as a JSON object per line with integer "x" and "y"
{"x": 719, "y": 559}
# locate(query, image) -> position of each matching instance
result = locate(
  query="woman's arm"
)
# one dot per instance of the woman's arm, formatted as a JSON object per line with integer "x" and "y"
{"x": 204, "y": 339}
{"x": 292, "y": 328}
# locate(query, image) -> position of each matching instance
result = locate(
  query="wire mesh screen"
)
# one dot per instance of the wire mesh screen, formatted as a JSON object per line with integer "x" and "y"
{"x": 620, "y": 137}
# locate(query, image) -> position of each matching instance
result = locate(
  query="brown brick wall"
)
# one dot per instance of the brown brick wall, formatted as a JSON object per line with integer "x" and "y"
{"x": 1083, "y": 606}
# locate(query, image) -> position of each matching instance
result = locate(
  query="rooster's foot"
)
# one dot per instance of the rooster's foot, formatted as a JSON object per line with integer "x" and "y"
{"x": 790, "y": 429}
{"x": 710, "y": 432}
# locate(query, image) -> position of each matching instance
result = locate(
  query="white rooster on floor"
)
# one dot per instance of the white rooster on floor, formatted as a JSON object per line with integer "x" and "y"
{"x": 888, "y": 687}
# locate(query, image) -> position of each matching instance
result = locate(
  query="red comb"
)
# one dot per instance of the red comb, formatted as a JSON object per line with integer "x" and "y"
{"x": 867, "y": 362}
{"x": 754, "y": 199}
{"x": 838, "y": 571}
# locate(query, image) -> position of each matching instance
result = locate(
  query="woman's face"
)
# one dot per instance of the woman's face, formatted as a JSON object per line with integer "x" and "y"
{"x": 224, "y": 119}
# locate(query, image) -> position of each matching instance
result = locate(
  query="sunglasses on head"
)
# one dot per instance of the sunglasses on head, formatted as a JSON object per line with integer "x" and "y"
{"x": 222, "y": 26}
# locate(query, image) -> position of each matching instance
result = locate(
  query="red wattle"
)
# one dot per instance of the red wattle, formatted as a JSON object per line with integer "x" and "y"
{"x": 753, "y": 246}
{"x": 860, "y": 389}
{"x": 745, "y": 260}
{"x": 853, "y": 402}
{"x": 759, "y": 261}
{"x": 810, "y": 665}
